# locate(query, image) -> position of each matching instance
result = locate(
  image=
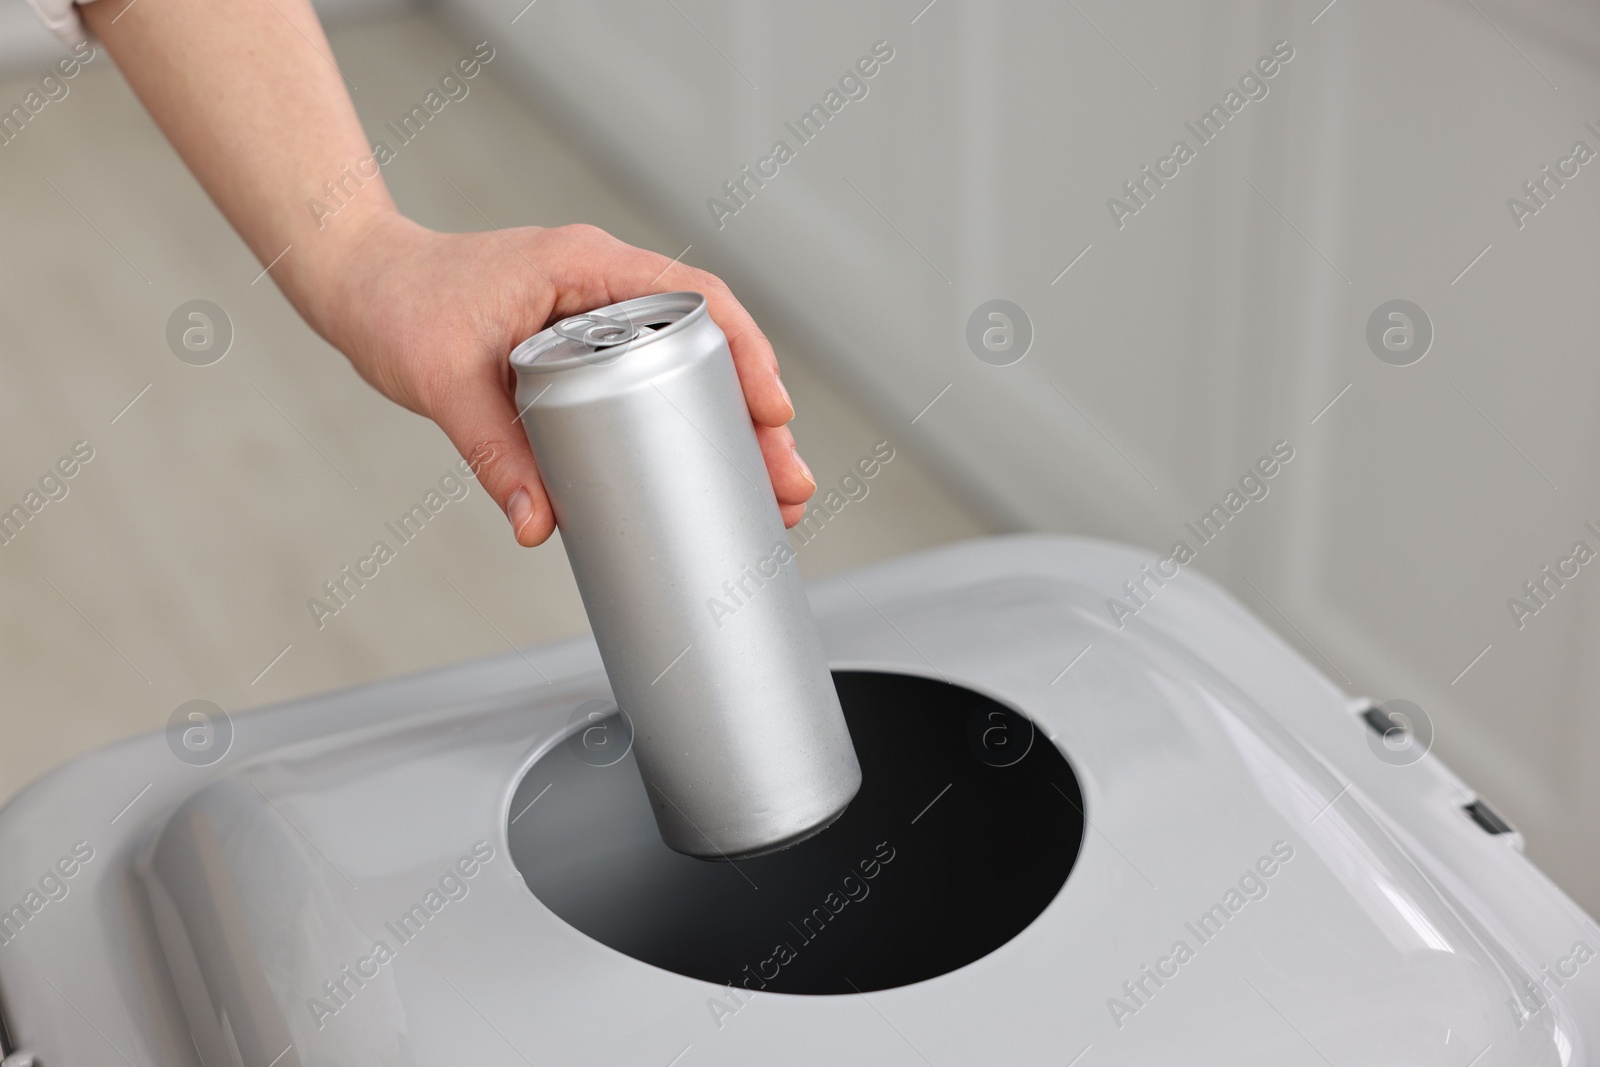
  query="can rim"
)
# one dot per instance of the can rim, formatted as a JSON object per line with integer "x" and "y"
{"x": 542, "y": 353}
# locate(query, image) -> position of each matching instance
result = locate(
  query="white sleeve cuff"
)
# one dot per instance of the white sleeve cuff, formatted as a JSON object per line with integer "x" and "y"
{"x": 62, "y": 19}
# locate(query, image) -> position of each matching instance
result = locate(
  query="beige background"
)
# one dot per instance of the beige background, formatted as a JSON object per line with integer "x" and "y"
{"x": 179, "y": 565}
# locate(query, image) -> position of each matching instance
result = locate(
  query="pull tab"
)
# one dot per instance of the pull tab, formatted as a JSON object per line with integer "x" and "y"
{"x": 596, "y": 331}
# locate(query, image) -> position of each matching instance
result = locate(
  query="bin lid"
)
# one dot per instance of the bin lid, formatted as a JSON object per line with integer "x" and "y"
{"x": 1254, "y": 882}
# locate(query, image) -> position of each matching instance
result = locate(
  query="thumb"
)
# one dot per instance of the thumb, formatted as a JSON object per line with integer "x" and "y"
{"x": 481, "y": 420}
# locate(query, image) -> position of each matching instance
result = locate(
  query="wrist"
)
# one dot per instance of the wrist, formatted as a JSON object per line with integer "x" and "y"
{"x": 330, "y": 265}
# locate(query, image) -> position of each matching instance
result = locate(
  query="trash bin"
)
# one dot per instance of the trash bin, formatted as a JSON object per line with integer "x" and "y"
{"x": 1173, "y": 841}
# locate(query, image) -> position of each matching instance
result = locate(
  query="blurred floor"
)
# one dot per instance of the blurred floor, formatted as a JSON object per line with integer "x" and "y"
{"x": 219, "y": 499}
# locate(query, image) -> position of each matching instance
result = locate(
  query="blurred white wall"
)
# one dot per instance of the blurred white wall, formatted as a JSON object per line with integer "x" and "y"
{"x": 1226, "y": 315}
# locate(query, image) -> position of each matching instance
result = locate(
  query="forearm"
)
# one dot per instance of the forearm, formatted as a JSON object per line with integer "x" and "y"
{"x": 249, "y": 96}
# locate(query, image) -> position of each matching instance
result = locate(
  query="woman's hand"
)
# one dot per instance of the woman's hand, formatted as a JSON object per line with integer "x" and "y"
{"x": 429, "y": 320}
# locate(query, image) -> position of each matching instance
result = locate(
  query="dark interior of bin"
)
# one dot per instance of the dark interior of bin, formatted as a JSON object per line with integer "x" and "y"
{"x": 965, "y": 828}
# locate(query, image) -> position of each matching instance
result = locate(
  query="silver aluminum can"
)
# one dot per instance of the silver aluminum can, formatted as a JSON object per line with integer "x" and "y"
{"x": 644, "y": 441}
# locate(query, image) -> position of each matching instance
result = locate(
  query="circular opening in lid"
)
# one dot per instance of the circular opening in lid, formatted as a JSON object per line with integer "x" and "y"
{"x": 966, "y": 826}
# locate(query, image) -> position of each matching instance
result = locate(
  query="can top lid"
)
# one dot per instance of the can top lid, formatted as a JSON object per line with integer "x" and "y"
{"x": 603, "y": 335}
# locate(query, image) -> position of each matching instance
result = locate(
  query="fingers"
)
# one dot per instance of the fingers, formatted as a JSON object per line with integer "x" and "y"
{"x": 597, "y": 269}
{"x": 476, "y": 411}
{"x": 631, "y": 272}
{"x": 753, "y": 357}
{"x": 792, "y": 482}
